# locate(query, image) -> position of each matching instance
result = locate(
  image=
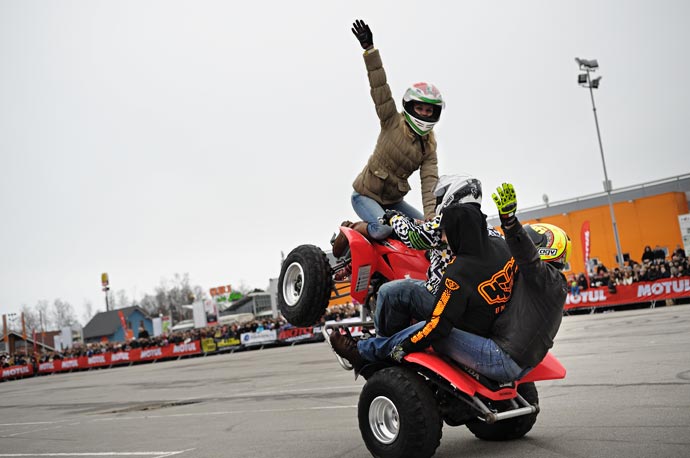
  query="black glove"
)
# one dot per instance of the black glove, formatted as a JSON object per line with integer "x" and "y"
{"x": 363, "y": 34}
{"x": 387, "y": 215}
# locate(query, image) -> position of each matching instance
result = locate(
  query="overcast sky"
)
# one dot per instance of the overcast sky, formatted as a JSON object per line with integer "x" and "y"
{"x": 148, "y": 138}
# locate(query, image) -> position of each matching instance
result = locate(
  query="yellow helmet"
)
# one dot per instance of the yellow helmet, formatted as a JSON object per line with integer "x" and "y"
{"x": 552, "y": 242}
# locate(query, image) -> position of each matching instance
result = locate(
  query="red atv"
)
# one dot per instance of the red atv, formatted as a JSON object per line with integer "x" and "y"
{"x": 307, "y": 278}
{"x": 402, "y": 407}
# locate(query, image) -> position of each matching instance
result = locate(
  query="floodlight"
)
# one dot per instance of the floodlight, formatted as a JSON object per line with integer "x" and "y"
{"x": 587, "y": 64}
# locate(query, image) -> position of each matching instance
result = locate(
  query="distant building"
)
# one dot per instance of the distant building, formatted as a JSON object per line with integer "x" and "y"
{"x": 259, "y": 303}
{"x": 646, "y": 214}
{"x": 107, "y": 326}
{"x": 17, "y": 343}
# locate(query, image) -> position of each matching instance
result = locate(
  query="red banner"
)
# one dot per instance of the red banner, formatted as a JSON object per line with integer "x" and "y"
{"x": 585, "y": 240}
{"x": 122, "y": 320}
{"x": 659, "y": 290}
{"x": 17, "y": 371}
{"x": 124, "y": 357}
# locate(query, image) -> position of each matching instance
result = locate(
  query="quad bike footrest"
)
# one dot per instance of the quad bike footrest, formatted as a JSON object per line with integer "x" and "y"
{"x": 491, "y": 417}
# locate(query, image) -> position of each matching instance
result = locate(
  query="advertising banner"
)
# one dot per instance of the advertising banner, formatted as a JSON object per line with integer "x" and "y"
{"x": 684, "y": 222}
{"x": 259, "y": 338}
{"x": 659, "y": 290}
{"x": 585, "y": 240}
{"x": 211, "y": 310}
{"x": 123, "y": 357}
{"x": 230, "y": 343}
{"x": 16, "y": 371}
{"x": 290, "y": 334}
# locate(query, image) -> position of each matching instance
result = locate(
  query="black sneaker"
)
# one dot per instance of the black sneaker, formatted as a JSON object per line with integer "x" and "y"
{"x": 346, "y": 347}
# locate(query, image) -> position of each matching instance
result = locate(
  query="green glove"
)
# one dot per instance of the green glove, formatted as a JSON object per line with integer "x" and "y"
{"x": 506, "y": 202}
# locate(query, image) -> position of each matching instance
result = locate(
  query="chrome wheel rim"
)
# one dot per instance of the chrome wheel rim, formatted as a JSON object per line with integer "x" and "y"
{"x": 383, "y": 420}
{"x": 292, "y": 284}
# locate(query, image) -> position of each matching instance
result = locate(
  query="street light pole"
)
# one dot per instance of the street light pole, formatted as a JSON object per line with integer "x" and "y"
{"x": 590, "y": 66}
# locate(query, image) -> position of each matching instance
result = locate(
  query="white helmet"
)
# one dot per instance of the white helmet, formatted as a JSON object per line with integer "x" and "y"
{"x": 462, "y": 189}
{"x": 422, "y": 93}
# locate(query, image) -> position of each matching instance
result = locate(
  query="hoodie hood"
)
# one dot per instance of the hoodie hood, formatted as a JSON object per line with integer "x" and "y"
{"x": 465, "y": 227}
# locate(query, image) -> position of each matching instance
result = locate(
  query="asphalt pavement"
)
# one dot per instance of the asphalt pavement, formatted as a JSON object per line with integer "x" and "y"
{"x": 626, "y": 394}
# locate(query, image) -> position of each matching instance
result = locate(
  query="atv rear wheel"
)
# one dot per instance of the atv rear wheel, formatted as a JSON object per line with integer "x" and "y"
{"x": 305, "y": 285}
{"x": 511, "y": 428}
{"x": 398, "y": 415}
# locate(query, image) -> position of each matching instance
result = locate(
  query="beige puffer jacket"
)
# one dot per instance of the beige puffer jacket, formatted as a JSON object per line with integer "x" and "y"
{"x": 399, "y": 152}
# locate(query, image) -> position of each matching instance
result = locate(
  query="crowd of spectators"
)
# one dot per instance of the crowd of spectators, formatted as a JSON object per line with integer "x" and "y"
{"x": 655, "y": 265}
{"x": 7, "y": 360}
{"x": 340, "y": 312}
{"x": 226, "y": 331}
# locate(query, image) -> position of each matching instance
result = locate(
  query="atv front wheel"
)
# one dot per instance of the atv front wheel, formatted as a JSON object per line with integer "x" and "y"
{"x": 305, "y": 285}
{"x": 510, "y": 428}
{"x": 398, "y": 415}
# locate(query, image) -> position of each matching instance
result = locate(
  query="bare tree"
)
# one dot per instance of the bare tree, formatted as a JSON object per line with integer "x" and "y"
{"x": 31, "y": 319}
{"x": 88, "y": 312}
{"x": 63, "y": 314}
{"x": 45, "y": 319}
{"x": 121, "y": 300}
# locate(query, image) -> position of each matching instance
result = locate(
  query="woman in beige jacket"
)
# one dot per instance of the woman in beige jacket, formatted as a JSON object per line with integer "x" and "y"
{"x": 405, "y": 144}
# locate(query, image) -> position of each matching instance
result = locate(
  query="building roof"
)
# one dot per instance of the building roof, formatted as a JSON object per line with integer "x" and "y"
{"x": 679, "y": 183}
{"x": 107, "y": 323}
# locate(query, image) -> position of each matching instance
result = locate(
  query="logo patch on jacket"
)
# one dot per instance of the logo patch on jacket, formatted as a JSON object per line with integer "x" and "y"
{"x": 498, "y": 288}
{"x": 451, "y": 285}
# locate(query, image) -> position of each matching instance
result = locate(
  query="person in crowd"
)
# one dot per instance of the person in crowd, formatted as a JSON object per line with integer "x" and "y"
{"x": 143, "y": 333}
{"x": 659, "y": 255}
{"x": 653, "y": 273}
{"x": 582, "y": 282}
{"x": 574, "y": 286}
{"x": 679, "y": 252}
{"x": 648, "y": 254}
{"x": 406, "y": 144}
{"x": 463, "y": 302}
{"x": 627, "y": 278}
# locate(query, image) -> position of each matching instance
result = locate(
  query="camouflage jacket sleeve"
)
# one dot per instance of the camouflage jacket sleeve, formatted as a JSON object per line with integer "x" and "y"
{"x": 423, "y": 235}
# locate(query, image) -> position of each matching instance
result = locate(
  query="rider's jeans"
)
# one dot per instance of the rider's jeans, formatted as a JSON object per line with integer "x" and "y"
{"x": 481, "y": 354}
{"x": 398, "y": 302}
{"x": 478, "y": 353}
{"x": 370, "y": 211}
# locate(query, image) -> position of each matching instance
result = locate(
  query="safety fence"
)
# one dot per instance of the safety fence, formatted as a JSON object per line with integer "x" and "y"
{"x": 637, "y": 293}
{"x": 286, "y": 335}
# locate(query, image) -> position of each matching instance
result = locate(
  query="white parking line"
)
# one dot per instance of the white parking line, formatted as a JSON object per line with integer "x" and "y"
{"x": 155, "y": 454}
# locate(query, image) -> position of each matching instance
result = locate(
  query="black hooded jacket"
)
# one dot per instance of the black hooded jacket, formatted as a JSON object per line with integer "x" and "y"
{"x": 477, "y": 284}
{"x": 531, "y": 320}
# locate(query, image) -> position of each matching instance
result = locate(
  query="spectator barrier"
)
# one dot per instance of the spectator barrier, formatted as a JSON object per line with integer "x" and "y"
{"x": 651, "y": 291}
{"x": 13, "y": 372}
{"x": 286, "y": 335}
{"x": 641, "y": 292}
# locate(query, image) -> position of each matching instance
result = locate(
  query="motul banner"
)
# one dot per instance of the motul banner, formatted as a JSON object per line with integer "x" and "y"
{"x": 17, "y": 371}
{"x": 291, "y": 334}
{"x": 123, "y": 357}
{"x": 584, "y": 239}
{"x": 659, "y": 290}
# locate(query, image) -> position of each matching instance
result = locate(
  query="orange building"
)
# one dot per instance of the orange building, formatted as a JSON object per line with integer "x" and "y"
{"x": 646, "y": 214}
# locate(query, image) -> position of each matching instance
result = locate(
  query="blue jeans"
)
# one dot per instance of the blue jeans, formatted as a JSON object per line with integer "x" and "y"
{"x": 379, "y": 348}
{"x": 481, "y": 354}
{"x": 400, "y": 301}
{"x": 473, "y": 351}
{"x": 370, "y": 211}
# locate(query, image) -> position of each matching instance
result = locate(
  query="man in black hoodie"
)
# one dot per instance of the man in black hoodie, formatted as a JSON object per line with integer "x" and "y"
{"x": 474, "y": 291}
{"x": 521, "y": 336}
